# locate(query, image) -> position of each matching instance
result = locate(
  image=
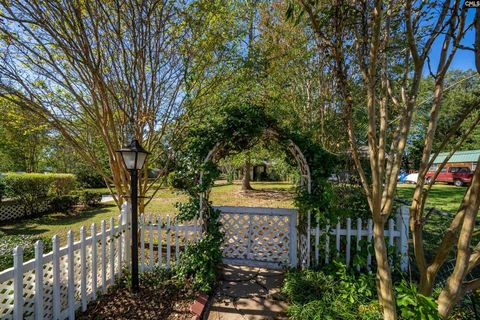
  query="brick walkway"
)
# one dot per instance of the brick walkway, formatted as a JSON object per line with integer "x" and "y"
{"x": 248, "y": 293}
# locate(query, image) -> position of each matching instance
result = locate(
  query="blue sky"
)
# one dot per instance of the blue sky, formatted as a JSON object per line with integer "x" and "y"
{"x": 464, "y": 59}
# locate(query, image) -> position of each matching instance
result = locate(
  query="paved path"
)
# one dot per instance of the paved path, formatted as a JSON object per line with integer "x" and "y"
{"x": 106, "y": 198}
{"x": 247, "y": 293}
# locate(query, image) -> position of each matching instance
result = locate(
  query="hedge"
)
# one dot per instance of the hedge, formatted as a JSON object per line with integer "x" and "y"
{"x": 31, "y": 188}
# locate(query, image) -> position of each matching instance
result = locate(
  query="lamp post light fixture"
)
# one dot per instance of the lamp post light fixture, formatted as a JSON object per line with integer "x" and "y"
{"x": 134, "y": 157}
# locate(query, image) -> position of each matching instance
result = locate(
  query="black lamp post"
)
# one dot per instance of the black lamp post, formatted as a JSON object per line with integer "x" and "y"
{"x": 134, "y": 157}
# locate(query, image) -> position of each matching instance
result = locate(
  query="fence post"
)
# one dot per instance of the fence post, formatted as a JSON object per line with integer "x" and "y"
{"x": 39, "y": 280}
{"x": 120, "y": 246}
{"x": 71, "y": 276}
{"x": 83, "y": 262}
{"x": 18, "y": 283}
{"x": 56, "y": 278}
{"x": 103, "y": 230}
{"x": 168, "y": 238}
{"x": 403, "y": 216}
{"x": 128, "y": 233}
{"x": 112, "y": 251}
{"x": 94, "y": 261}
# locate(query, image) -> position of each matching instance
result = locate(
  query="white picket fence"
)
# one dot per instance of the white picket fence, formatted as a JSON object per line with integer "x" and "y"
{"x": 397, "y": 235}
{"x": 54, "y": 285}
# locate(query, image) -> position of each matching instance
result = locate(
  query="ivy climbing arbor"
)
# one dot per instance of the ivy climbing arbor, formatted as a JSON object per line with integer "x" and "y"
{"x": 238, "y": 128}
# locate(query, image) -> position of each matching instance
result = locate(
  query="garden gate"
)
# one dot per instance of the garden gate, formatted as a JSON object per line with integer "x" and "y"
{"x": 262, "y": 237}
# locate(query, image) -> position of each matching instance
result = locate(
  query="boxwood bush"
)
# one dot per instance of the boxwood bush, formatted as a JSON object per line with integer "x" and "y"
{"x": 32, "y": 189}
{"x": 88, "y": 198}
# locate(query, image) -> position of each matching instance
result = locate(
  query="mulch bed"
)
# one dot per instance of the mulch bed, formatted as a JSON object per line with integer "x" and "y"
{"x": 167, "y": 300}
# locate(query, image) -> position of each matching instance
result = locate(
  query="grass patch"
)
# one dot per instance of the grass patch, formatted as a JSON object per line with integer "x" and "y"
{"x": 442, "y": 196}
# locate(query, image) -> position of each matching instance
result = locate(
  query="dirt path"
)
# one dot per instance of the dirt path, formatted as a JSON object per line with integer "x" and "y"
{"x": 248, "y": 293}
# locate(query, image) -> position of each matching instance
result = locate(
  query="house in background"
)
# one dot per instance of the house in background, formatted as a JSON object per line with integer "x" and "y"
{"x": 459, "y": 159}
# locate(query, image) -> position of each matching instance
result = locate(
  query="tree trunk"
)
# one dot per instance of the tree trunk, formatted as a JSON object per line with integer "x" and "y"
{"x": 454, "y": 290}
{"x": 386, "y": 297}
{"x": 246, "y": 175}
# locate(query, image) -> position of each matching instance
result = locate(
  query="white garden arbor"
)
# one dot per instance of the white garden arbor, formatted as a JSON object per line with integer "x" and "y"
{"x": 265, "y": 236}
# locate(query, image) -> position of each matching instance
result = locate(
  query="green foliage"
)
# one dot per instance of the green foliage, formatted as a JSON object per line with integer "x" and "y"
{"x": 3, "y": 188}
{"x": 174, "y": 181}
{"x": 88, "y": 198}
{"x": 63, "y": 203}
{"x": 349, "y": 200}
{"x": 88, "y": 178}
{"x": 62, "y": 184}
{"x": 201, "y": 261}
{"x": 33, "y": 188}
{"x": 413, "y": 305}
{"x": 9, "y": 242}
{"x": 331, "y": 294}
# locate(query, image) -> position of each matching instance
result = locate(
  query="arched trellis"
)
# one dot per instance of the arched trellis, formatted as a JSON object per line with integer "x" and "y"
{"x": 305, "y": 182}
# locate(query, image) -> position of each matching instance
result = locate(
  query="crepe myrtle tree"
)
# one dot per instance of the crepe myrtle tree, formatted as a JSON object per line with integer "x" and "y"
{"x": 108, "y": 71}
{"x": 360, "y": 38}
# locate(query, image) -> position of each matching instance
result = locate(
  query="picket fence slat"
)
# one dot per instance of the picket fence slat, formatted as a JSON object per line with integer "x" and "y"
{"x": 112, "y": 252}
{"x": 119, "y": 244}
{"x": 18, "y": 283}
{"x": 71, "y": 276}
{"x": 56, "y": 278}
{"x": 38, "y": 280}
{"x": 104, "y": 255}
{"x": 396, "y": 235}
{"x": 159, "y": 240}
{"x": 150, "y": 231}
{"x": 94, "y": 261}
{"x": 83, "y": 263}
{"x": 167, "y": 235}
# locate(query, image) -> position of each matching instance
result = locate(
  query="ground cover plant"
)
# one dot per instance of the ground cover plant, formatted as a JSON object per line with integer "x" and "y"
{"x": 332, "y": 293}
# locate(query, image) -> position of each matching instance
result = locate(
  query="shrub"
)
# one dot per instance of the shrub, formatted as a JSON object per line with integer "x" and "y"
{"x": 62, "y": 184}
{"x": 63, "y": 203}
{"x": 8, "y": 242}
{"x": 349, "y": 200}
{"x": 88, "y": 178}
{"x": 200, "y": 262}
{"x": 89, "y": 198}
{"x": 413, "y": 305}
{"x": 3, "y": 188}
{"x": 331, "y": 294}
{"x": 175, "y": 181}
{"x": 34, "y": 188}
{"x": 31, "y": 189}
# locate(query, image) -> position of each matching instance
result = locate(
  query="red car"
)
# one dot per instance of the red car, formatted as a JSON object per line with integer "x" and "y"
{"x": 456, "y": 175}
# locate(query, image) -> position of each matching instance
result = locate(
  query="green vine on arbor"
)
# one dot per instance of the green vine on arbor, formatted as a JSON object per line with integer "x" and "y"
{"x": 232, "y": 130}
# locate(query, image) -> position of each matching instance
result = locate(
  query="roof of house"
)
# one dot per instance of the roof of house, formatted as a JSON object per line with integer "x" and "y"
{"x": 459, "y": 156}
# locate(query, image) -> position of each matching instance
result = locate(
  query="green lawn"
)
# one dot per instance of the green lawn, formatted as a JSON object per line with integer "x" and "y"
{"x": 442, "y": 196}
{"x": 265, "y": 195}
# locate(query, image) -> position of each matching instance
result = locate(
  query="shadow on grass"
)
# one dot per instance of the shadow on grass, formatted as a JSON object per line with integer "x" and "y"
{"x": 33, "y": 226}
{"x": 268, "y": 194}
